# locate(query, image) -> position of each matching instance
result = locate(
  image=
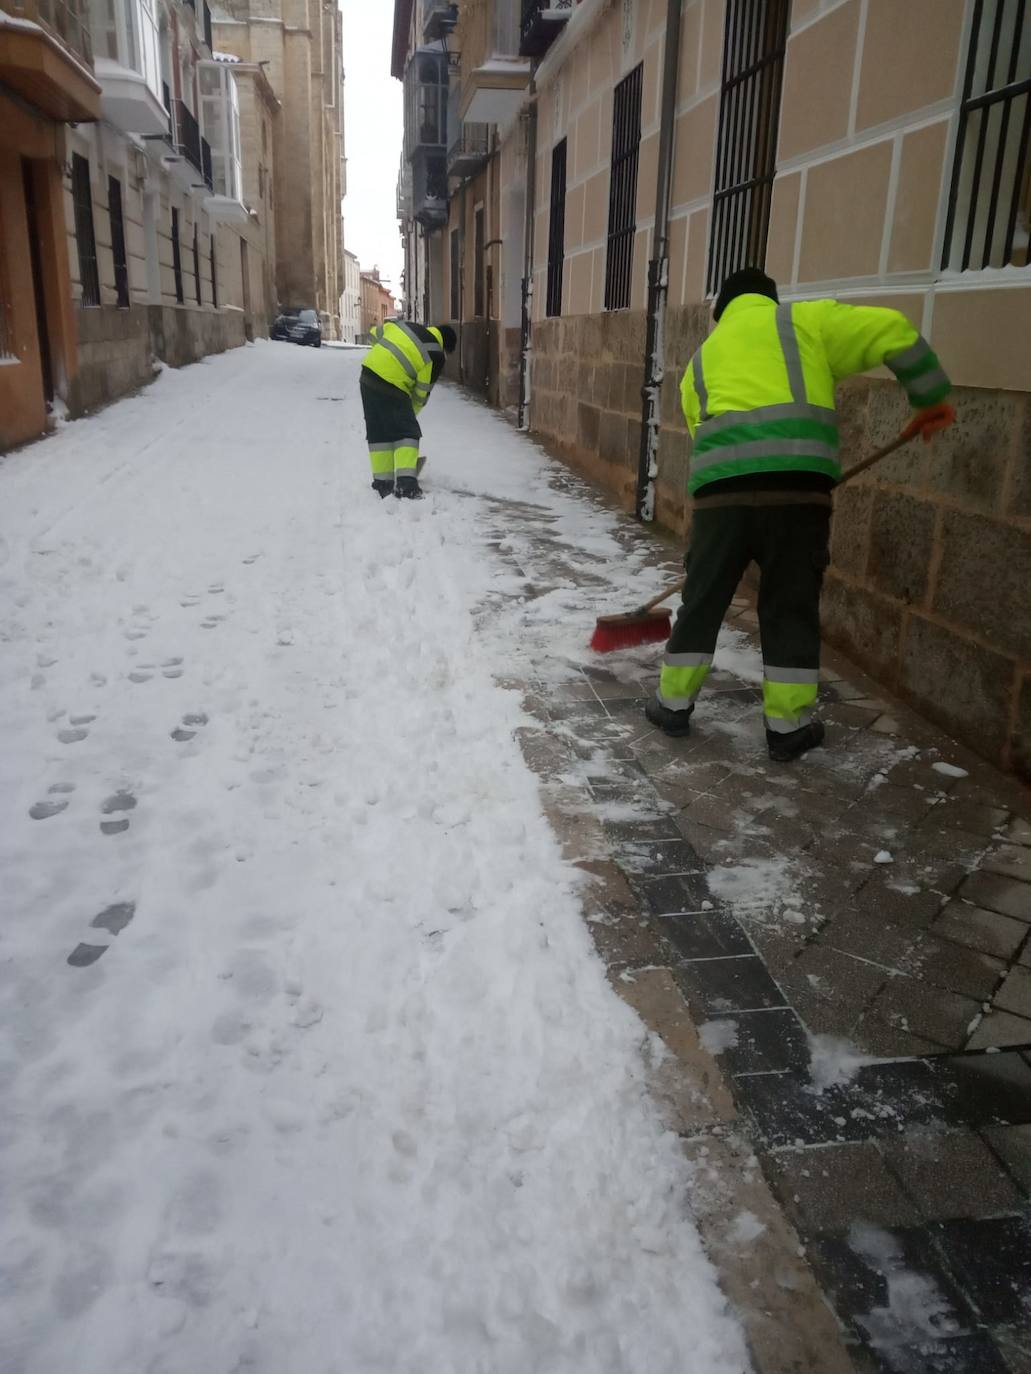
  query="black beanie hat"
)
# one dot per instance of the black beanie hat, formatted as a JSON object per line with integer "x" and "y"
{"x": 448, "y": 338}
{"x": 749, "y": 281}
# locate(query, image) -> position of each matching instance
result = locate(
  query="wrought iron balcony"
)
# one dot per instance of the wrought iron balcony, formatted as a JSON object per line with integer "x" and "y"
{"x": 542, "y": 23}
{"x": 438, "y": 19}
{"x": 469, "y": 150}
{"x": 189, "y": 137}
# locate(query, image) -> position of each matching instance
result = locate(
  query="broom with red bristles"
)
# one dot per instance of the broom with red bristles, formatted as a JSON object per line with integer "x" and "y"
{"x": 648, "y": 625}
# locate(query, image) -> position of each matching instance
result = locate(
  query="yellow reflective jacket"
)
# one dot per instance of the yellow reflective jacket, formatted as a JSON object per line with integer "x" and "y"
{"x": 399, "y": 356}
{"x": 758, "y": 396}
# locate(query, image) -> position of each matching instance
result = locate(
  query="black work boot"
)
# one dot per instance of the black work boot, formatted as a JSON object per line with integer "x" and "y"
{"x": 784, "y": 748}
{"x": 673, "y": 723}
{"x": 408, "y": 487}
{"x": 384, "y": 485}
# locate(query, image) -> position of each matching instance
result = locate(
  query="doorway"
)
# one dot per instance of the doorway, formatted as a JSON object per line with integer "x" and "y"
{"x": 245, "y": 277}
{"x": 42, "y": 330}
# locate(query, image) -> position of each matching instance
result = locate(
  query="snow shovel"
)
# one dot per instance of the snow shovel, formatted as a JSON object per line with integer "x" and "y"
{"x": 648, "y": 624}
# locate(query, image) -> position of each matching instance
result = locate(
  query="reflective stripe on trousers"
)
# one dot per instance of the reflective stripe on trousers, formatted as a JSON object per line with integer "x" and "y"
{"x": 682, "y": 678}
{"x": 393, "y": 460}
{"x": 789, "y": 696}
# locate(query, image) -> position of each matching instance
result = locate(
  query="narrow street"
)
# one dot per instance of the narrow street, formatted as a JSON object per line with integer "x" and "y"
{"x": 311, "y": 1064}
{"x": 385, "y": 994}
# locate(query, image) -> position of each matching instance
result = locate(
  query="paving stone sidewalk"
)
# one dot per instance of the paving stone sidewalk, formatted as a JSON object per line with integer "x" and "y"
{"x": 837, "y": 955}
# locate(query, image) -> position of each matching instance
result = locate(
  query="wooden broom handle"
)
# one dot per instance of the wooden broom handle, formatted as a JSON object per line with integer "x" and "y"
{"x": 872, "y": 458}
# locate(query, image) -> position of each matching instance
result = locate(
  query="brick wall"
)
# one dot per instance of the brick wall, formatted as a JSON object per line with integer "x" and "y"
{"x": 930, "y": 582}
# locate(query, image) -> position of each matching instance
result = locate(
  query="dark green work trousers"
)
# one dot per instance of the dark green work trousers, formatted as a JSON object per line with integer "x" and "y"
{"x": 789, "y": 544}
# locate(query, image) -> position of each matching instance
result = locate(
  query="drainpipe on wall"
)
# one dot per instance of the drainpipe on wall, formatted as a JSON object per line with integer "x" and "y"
{"x": 527, "y": 312}
{"x": 658, "y": 275}
{"x": 461, "y": 287}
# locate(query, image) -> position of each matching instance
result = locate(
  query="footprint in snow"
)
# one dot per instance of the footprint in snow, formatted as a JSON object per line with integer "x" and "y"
{"x": 55, "y": 802}
{"x": 209, "y": 622}
{"x": 172, "y": 667}
{"x": 135, "y": 632}
{"x": 251, "y": 558}
{"x": 76, "y": 729}
{"x": 119, "y": 801}
{"x": 216, "y": 588}
{"x": 191, "y": 723}
{"x": 113, "y": 919}
{"x": 191, "y": 599}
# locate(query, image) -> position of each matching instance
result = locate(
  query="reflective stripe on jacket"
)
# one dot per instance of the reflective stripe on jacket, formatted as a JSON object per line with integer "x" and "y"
{"x": 400, "y": 357}
{"x": 758, "y": 396}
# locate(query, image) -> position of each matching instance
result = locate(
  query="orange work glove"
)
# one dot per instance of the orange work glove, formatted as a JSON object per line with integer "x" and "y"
{"x": 929, "y": 421}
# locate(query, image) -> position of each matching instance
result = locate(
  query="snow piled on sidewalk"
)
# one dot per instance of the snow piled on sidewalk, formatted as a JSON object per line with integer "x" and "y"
{"x": 345, "y": 1089}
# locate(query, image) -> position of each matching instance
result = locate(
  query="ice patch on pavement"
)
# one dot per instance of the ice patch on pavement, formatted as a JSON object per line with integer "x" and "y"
{"x": 834, "y": 1062}
{"x": 915, "y": 1310}
{"x": 718, "y": 1036}
{"x": 949, "y": 770}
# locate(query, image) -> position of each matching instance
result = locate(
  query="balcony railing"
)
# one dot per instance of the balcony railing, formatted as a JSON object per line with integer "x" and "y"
{"x": 67, "y": 20}
{"x": 189, "y": 136}
{"x": 542, "y": 23}
{"x": 469, "y": 150}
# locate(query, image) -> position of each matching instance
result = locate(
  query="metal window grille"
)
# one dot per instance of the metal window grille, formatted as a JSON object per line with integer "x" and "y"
{"x": 989, "y": 214}
{"x": 214, "y": 278}
{"x": 626, "y": 144}
{"x": 456, "y": 276}
{"x": 196, "y": 264}
{"x": 557, "y": 229}
{"x": 85, "y": 239}
{"x": 114, "y": 205}
{"x": 754, "y": 37}
{"x": 177, "y": 258}
{"x": 478, "y": 241}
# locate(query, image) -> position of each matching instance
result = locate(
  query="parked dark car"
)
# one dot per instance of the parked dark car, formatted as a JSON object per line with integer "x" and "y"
{"x": 298, "y": 326}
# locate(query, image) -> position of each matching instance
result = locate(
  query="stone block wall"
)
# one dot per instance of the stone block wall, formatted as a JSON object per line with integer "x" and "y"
{"x": 118, "y": 348}
{"x": 181, "y": 336}
{"x": 929, "y": 587}
{"x": 930, "y": 581}
{"x": 115, "y": 355}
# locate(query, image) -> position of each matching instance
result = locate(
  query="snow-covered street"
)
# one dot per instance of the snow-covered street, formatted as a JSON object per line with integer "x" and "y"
{"x": 310, "y": 1063}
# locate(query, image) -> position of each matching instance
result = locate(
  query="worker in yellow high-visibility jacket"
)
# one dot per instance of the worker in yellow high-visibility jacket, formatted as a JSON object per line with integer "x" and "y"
{"x": 398, "y": 374}
{"x": 758, "y": 397}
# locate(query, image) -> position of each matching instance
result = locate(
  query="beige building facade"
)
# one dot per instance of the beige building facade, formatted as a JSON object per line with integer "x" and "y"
{"x": 856, "y": 148}
{"x": 298, "y": 45}
{"x": 141, "y": 197}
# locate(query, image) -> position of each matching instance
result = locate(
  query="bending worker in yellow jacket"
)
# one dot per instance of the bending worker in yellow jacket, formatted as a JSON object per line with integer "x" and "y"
{"x": 758, "y": 397}
{"x": 398, "y": 373}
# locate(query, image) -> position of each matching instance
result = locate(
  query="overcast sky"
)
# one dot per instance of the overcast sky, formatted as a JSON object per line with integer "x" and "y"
{"x": 373, "y": 114}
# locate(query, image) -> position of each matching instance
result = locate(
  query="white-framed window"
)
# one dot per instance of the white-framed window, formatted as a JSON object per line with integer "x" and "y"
{"x": 126, "y": 32}
{"x": 220, "y": 121}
